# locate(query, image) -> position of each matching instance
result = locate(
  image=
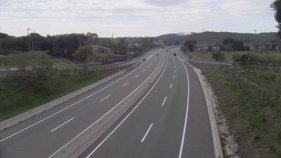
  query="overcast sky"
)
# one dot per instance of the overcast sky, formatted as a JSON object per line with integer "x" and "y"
{"x": 135, "y": 17}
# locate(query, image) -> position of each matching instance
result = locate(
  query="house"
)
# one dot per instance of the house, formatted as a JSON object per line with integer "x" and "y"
{"x": 262, "y": 46}
{"x": 207, "y": 47}
{"x": 201, "y": 47}
{"x": 100, "y": 49}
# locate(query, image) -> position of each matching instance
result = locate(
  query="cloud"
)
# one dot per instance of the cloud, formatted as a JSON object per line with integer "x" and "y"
{"x": 129, "y": 14}
{"x": 164, "y": 2}
{"x": 245, "y": 7}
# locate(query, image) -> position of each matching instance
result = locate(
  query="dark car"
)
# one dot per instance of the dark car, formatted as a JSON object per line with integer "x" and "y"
{"x": 175, "y": 54}
{"x": 143, "y": 59}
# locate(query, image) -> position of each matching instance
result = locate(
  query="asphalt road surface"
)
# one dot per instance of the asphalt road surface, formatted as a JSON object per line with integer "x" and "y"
{"x": 170, "y": 120}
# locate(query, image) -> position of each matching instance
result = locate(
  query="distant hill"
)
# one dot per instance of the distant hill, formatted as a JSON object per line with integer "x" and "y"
{"x": 246, "y": 37}
{"x": 220, "y": 36}
{"x": 171, "y": 37}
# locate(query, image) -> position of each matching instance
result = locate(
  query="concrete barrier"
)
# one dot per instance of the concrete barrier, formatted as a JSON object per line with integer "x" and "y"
{"x": 26, "y": 115}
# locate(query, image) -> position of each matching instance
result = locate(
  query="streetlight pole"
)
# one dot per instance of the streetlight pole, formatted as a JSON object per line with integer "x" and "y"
{"x": 112, "y": 46}
{"x": 28, "y": 40}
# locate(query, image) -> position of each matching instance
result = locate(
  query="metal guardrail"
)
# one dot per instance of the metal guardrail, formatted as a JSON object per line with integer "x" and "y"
{"x": 88, "y": 68}
{"x": 211, "y": 62}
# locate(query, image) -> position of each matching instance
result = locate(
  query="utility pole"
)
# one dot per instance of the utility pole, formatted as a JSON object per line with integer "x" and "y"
{"x": 28, "y": 40}
{"x": 112, "y": 46}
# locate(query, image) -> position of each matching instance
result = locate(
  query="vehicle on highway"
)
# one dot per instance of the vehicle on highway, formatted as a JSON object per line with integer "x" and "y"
{"x": 175, "y": 54}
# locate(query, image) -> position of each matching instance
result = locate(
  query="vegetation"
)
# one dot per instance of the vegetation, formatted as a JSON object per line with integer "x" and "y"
{"x": 220, "y": 36}
{"x": 266, "y": 56}
{"x": 218, "y": 56}
{"x": 251, "y": 101}
{"x": 190, "y": 44}
{"x": 277, "y": 8}
{"x": 59, "y": 46}
{"x": 18, "y": 95}
{"x": 231, "y": 44}
{"x": 37, "y": 83}
{"x": 83, "y": 54}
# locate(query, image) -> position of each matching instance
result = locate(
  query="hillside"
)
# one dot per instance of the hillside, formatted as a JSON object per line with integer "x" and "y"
{"x": 220, "y": 36}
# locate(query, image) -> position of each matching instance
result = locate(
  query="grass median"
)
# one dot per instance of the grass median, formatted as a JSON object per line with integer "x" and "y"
{"x": 251, "y": 102}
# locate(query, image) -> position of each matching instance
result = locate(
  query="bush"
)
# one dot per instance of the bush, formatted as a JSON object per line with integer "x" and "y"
{"x": 83, "y": 54}
{"x": 218, "y": 56}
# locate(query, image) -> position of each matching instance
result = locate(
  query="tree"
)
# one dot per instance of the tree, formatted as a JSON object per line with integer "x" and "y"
{"x": 190, "y": 44}
{"x": 277, "y": 8}
{"x": 44, "y": 77}
{"x": 83, "y": 54}
{"x": 245, "y": 60}
{"x": 228, "y": 41}
{"x": 20, "y": 61}
{"x": 218, "y": 56}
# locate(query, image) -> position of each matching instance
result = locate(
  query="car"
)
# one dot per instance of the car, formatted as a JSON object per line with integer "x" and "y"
{"x": 175, "y": 54}
{"x": 143, "y": 59}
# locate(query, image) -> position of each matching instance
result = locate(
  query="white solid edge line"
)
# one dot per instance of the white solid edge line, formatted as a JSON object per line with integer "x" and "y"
{"x": 97, "y": 147}
{"x": 103, "y": 114}
{"x": 137, "y": 76}
{"x": 62, "y": 125}
{"x": 105, "y": 98}
{"x": 164, "y": 101}
{"x": 171, "y": 85}
{"x": 214, "y": 128}
{"x": 186, "y": 114}
{"x": 67, "y": 107}
{"x": 146, "y": 133}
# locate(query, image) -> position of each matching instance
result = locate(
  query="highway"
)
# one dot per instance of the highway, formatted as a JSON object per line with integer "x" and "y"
{"x": 170, "y": 122}
{"x": 170, "y": 119}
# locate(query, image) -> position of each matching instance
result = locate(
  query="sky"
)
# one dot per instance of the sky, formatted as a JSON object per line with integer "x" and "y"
{"x": 135, "y": 18}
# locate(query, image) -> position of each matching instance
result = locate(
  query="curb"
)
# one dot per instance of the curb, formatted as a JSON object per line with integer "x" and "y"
{"x": 210, "y": 105}
{"x": 31, "y": 113}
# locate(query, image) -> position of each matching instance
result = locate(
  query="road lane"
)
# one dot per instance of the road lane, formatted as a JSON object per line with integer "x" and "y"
{"x": 38, "y": 137}
{"x": 180, "y": 129}
{"x": 167, "y": 120}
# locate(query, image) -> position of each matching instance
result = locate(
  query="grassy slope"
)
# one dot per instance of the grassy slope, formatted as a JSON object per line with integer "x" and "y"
{"x": 228, "y": 55}
{"x": 23, "y": 99}
{"x": 253, "y": 110}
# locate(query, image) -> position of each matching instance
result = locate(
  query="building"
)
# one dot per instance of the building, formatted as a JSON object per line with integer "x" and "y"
{"x": 100, "y": 49}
